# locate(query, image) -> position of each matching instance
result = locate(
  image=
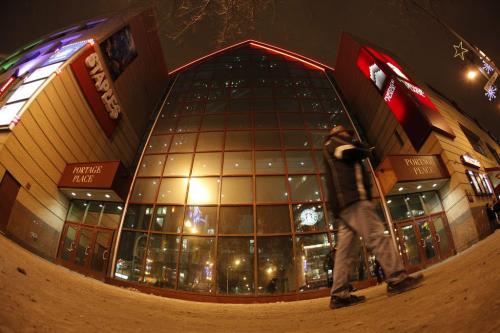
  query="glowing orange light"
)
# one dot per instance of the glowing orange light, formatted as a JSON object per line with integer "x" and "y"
{"x": 271, "y": 48}
{"x": 205, "y": 57}
{"x": 287, "y": 54}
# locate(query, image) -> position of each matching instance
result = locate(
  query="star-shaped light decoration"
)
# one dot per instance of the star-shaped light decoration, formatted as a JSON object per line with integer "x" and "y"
{"x": 459, "y": 51}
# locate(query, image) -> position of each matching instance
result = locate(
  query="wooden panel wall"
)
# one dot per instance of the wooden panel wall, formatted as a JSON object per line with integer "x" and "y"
{"x": 58, "y": 128}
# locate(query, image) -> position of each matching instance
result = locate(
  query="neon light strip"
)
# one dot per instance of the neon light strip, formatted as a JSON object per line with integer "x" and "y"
{"x": 6, "y": 85}
{"x": 288, "y": 54}
{"x": 205, "y": 57}
{"x": 295, "y": 56}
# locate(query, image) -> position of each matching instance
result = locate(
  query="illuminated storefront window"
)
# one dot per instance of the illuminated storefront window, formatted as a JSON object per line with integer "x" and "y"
{"x": 230, "y": 195}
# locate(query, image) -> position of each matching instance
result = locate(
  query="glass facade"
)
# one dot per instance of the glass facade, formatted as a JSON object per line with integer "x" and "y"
{"x": 230, "y": 196}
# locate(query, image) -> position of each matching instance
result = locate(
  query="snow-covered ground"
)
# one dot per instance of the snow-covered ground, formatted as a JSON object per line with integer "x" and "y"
{"x": 459, "y": 295}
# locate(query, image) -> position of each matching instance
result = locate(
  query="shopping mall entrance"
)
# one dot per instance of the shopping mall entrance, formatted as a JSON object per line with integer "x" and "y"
{"x": 86, "y": 249}
{"x": 88, "y": 235}
{"x": 421, "y": 228}
{"x": 424, "y": 241}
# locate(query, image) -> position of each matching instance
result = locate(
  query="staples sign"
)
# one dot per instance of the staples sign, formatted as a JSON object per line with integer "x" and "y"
{"x": 97, "y": 88}
{"x": 102, "y": 85}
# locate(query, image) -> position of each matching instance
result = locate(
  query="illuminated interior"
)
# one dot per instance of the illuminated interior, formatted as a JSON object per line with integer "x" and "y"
{"x": 229, "y": 198}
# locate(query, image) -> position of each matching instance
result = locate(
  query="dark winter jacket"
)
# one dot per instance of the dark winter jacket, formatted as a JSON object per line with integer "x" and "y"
{"x": 348, "y": 179}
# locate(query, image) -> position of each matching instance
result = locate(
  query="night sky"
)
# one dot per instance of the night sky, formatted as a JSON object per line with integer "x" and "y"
{"x": 309, "y": 27}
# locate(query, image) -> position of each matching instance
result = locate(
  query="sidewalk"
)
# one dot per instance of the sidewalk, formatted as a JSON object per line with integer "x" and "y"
{"x": 460, "y": 295}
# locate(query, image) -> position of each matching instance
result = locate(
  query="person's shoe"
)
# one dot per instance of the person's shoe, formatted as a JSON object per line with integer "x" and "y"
{"x": 408, "y": 283}
{"x": 340, "y": 302}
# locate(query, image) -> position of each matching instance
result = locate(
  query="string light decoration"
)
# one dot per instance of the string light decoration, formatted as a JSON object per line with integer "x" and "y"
{"x": 487, "y": 68}
{"x": 491, "y": 93}
{"x": 460, "y": 51}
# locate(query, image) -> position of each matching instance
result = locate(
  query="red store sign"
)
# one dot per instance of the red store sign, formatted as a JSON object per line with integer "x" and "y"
{"x": 96, "y": 87}
{"x": 410, "y": 105}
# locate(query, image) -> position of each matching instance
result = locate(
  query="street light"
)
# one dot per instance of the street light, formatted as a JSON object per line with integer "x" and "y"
{"x": 471, "y": 74}
{"x": 228, "y": 268}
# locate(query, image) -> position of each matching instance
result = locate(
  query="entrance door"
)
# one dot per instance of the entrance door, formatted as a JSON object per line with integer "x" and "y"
{"x": 9, "y": 188}
{"x": 409, "y": 241}
{"x": 86, "y": 249}
{"x": 442, "y": 234}
{"x": 428, "y": 242}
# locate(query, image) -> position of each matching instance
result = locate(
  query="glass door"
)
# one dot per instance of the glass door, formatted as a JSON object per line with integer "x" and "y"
{"x": 442, "y": 234}
{"x": 428, "y": 242}
{"x": 100, "y": 253}
{"x": 83, "y": 247}
{"x": 409, "y": 242}
{"x": 86, "y": 249}
{"x": 67, "y": 248}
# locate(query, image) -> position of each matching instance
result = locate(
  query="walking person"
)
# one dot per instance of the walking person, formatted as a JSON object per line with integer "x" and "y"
{"x": 350, "y": 186}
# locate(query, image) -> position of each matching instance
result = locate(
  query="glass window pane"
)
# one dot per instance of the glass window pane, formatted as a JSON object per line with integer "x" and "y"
{"x": 291, "y": 120}
{"x": 236, "y": 220}
{"x": 287, "y": 105}
{"x": 178, "y": 165}
{"x": 188, "y": 124}
{"x": 145, "y": 190}
{"x": 313, "y": 254}
{"x": 269, "y": 162}
{"x": 111, "y": 215}
{"x": 93, "y": 213}
{"x": 432, "y": 202}
{"x": 216, "y": 106}
{"x": 161, "y": 261}
{"x": 183, "y": 143}
{"x": 238, "y": 140}
{"x": 416, "y": 206}
{"x": 320, "y": 161}
{"x": 200, "y": 220}
{"x": 237, "y": 190}
{"x": 238, "y": 121}
{"x": 397, "y": 207}
{"x": 308, "y": 217}
{"x": 296, "y": 139}
{"x": 311, "y": 106}
{"x": 158, "y": 144}
{"x": 267, "y": 140}
{"x": 276, "y": 269}
{"x": 240, "y": 105}
{"x": 271, "y": 189}
{"x": 318, "y": 138}
{"x": 264, "y": 105}
{"x": 207, "y": 164}
{"x": 319, "y": 121}
{"x": 130, "y": 255}
{"x": 237, "y": 163}
{"x": 203, "y": 191}
{"x": 168, "y": 218}
{"x": 299, "y": 162}
{"x": 212, "y": 123}
{"x": 77, "y": 210}
{"x": 273, "y": 219}
{"x": 151, "y": 165}
{"x": 266, "y": 120}
{"x": 210, "y": 141}
{"x": 138, "y": 217}
{"x": 235, "y": 265}
{"x": 196, "y": 267}
{"x": 172, "y": 190}
{"x": 304, "y": 188}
